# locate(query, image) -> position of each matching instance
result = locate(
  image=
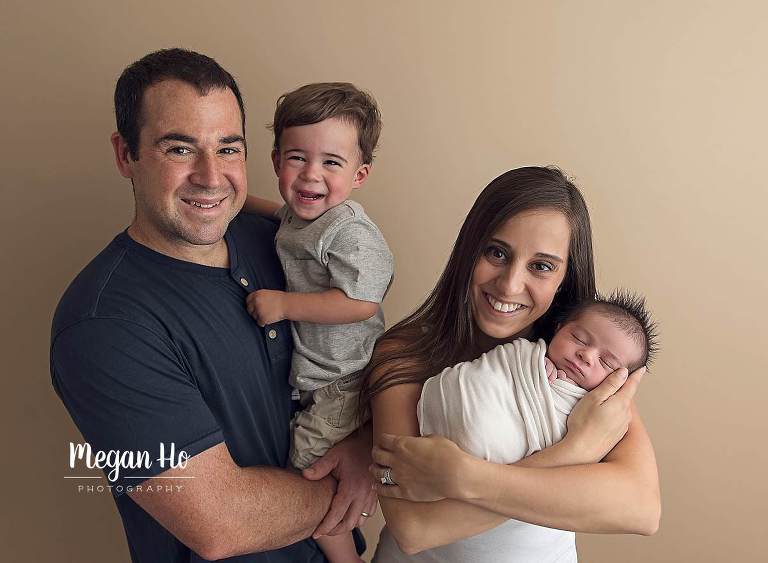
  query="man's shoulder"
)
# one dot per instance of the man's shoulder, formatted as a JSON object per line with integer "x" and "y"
{"x": 81, "y": 299}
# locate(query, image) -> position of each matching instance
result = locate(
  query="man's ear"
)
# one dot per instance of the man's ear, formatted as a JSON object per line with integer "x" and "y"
{"x": 122, "y": 155}
{"x": 361, "y": 175}
{"x": 276, "y": 161}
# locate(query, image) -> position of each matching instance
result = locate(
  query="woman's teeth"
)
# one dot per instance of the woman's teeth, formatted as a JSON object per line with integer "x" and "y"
{"x": 503, "y": 307}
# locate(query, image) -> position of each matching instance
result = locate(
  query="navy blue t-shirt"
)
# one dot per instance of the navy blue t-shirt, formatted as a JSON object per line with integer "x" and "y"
{"x": 147, "y": 349}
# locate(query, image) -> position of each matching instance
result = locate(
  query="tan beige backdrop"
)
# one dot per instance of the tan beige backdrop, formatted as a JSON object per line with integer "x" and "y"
{"x": 657, "y": 109}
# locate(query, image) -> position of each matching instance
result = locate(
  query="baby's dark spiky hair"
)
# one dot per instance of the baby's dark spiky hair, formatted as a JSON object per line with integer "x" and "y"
{"x": 629, "y": 312}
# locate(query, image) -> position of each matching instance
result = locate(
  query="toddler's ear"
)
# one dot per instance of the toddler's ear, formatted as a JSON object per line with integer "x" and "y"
{"x": 361, "y": 175}
{"x": 276, "y": 161}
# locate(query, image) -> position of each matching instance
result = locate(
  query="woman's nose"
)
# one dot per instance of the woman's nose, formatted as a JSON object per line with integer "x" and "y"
{"x": 511, "y": 282}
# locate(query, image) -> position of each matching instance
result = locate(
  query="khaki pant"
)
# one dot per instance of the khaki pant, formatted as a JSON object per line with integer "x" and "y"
{"x": 329, "y": 416}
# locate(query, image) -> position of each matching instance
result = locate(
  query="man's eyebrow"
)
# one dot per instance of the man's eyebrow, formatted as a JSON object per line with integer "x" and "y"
{"x": 182, "y": 138}
{"x": 553, "y": 257}
{"x": 176, "y": 137}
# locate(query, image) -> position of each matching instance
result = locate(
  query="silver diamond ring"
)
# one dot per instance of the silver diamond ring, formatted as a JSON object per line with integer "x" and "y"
{"x": 386, "y": 479}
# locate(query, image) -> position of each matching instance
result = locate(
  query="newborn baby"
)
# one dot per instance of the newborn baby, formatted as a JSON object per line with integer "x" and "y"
{"x": 513, "y": 400}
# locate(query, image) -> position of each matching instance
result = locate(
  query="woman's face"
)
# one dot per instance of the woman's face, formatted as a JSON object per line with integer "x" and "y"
{"x": 519, "y": 271}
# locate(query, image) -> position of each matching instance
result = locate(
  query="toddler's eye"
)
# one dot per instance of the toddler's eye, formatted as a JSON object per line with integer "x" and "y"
{"x": 332, "y": 163}
{"x": 296, "y": 157}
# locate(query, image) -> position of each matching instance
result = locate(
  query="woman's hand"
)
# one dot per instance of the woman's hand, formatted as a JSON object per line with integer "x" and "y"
{"x": 601, "y": 418}
{"x": 425, "y": 469}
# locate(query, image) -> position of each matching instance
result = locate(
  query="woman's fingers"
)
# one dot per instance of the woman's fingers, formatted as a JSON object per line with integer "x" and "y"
{"x": 389, "y": 442}
{"x": 629, "y": 388}
{"x": 610, "y": 385}
{"x": 382, "y": 457}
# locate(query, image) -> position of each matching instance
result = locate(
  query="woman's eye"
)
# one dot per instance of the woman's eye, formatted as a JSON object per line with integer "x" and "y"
{"x": 542, "y": 266}
{"x": 495, "y": 254}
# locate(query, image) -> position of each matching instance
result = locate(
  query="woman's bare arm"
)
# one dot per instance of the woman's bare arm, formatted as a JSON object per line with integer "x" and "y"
{"x": 618, "y": 495}
{"x": 417, "y": 526}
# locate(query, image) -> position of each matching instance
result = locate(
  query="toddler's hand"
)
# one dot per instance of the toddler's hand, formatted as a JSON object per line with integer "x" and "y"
{"x": 267, "y": 306}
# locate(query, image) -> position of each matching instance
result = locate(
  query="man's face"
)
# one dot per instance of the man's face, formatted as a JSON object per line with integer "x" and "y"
{"x": 189, "y": 180}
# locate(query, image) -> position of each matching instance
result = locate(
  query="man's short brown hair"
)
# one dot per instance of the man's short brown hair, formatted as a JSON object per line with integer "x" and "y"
{"x": 317, "y": 102}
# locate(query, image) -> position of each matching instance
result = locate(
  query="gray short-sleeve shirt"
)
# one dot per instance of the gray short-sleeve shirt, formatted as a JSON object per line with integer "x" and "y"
{"x": 341, "y": 249}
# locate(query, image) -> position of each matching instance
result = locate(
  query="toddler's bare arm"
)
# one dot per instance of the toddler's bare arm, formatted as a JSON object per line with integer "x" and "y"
{"x": 325, "y": 307}
{"x": 261, "y": 206}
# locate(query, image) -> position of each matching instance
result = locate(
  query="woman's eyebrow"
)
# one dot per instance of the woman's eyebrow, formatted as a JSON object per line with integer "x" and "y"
{"x": 553, "y": 257}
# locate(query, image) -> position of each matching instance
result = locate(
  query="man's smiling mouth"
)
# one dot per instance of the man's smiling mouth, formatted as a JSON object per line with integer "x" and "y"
{"x": 203, "y": 203}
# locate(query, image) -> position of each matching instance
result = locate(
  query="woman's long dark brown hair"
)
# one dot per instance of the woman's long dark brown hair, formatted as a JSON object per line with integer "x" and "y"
{"x": 441, "y": 332}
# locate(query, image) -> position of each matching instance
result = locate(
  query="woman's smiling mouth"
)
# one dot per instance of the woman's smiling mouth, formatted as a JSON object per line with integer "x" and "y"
{"x": 501, "y": 306}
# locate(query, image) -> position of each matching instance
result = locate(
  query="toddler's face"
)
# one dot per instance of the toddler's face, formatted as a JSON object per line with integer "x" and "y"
{"x": 318, "y": 166}
{"x": 590, "y": 348}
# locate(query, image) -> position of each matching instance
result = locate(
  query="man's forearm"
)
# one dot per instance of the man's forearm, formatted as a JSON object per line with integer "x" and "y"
{"x": 228, "y": 510}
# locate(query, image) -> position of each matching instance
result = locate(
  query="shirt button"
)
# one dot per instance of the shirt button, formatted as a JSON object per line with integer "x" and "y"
{"x": 244, "y": 282}
{"x": 272, "y": 334}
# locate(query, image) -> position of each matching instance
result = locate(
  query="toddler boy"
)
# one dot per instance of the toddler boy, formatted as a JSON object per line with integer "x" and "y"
{"x": 336, "y": 262}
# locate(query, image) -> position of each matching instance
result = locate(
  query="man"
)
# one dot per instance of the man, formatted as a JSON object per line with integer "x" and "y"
{"x": 152, "y": 346}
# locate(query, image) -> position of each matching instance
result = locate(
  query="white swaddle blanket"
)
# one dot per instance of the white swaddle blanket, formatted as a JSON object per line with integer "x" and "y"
{"x": 500, "y": 407}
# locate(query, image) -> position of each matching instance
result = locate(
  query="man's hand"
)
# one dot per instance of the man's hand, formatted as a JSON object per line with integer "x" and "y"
{"x": 425, "y": 469}
{"x": 348, "y": 462}
{"x": 267, "y": 306}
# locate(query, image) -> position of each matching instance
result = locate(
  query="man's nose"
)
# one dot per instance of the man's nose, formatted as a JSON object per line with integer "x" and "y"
{"x": 207, "y": 172}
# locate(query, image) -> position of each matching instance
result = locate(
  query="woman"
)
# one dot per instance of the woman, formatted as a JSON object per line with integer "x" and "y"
{"x": 523, "y": 254}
